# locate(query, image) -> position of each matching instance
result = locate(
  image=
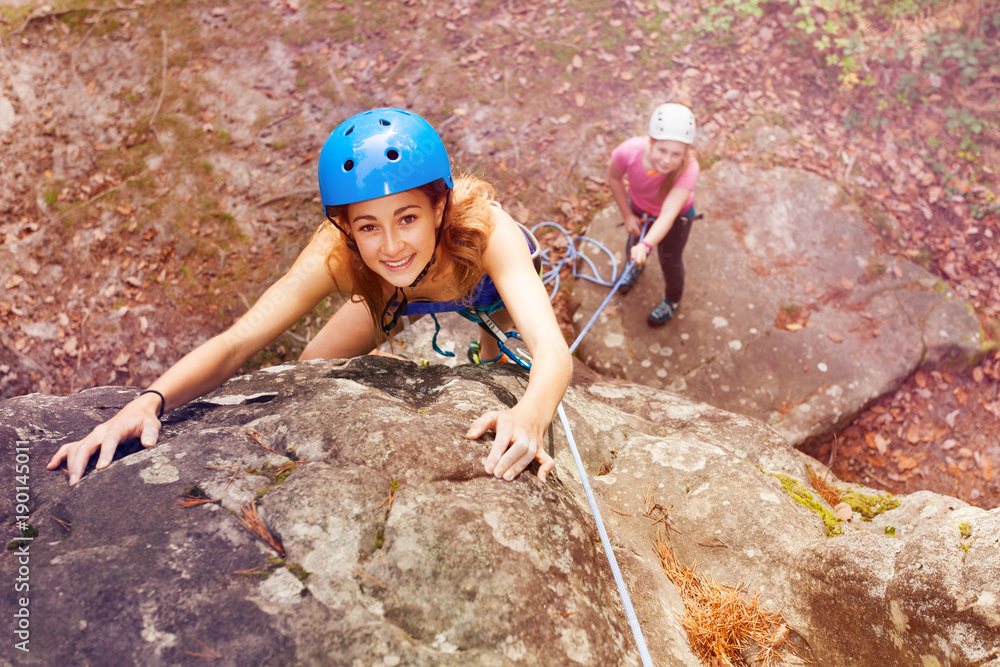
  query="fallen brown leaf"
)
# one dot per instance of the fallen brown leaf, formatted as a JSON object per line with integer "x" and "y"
{"x": 986, "y": 466}
{"x": 870, "y": 439}
{"x": 961, "y": 395}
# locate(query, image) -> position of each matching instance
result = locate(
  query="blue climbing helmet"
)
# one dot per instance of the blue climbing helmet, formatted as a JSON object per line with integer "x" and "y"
{"x": 377, "y": 153}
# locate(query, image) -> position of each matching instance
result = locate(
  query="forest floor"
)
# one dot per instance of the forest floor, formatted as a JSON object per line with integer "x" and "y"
{"x": 185, "y": 169}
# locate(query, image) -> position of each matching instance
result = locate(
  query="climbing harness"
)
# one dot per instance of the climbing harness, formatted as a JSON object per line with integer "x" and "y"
{"x": 484, "y": 302}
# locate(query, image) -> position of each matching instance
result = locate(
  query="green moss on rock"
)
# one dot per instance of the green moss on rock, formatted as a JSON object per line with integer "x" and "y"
{"x": 870, "y": 506}
{"x": 965, "y": 533}
{"x": 801, "y": 495}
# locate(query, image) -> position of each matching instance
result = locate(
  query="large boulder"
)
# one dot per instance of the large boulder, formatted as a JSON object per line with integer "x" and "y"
{"x": 415, "y": 555}
{"x": 789, "y": 315}
{"x": 399, "y": 549}
{"x": 916, "y": 583}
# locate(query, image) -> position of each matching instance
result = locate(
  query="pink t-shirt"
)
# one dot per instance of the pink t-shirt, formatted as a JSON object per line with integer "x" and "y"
{"x": 644, "y": 188}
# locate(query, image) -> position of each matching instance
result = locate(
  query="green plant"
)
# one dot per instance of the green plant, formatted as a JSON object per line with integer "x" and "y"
{"x": 27, "y": 531}
{"x": 953, "y": 51}
{"x": 300, "y": 572}
{"x": 965, "y": 530}
{"x": 990, "y": 206}
{"x": 719, "y": 18}
{"x": 964, "y": 125}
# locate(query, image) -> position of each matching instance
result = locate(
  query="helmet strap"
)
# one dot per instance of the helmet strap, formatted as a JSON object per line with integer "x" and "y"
{"x": 397, "y": 307}
{"x": 350, "y": 241}
{"x": 397, "y": 303}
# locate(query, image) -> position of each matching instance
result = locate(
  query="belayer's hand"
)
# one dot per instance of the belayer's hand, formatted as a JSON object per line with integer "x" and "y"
{"x": 518, "y": 442}
{"x": 132, "y": 421}
{"x": 639, "y": 254}
{"x": 633, "y": 225}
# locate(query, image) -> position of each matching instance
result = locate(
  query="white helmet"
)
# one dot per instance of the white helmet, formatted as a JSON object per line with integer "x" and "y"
{"x": 672, "y": 121}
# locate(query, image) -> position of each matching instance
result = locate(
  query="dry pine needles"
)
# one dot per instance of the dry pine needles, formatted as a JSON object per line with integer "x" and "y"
{"x": 721, "y": 621}
{"x": 255, "y": 525}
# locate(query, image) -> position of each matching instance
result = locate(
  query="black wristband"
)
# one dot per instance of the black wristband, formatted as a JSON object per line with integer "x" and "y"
{"x": 163, "y": 401}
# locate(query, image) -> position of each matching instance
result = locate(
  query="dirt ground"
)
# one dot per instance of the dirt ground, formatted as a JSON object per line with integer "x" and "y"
{"x": 160, "y": 169}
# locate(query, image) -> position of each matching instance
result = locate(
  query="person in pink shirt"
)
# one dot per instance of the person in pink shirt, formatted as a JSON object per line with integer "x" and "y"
{"x": 652, "y": 179}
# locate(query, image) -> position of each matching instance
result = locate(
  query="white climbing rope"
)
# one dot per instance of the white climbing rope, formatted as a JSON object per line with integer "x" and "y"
{"x": 633, "y": 621}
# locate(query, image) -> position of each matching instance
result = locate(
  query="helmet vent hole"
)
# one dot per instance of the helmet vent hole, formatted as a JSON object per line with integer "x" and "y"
{"x": 349, "y": 165}
{"x": 349, "y": 131}
{"x": 384, "y": 122}
{"x": 392, "y": 154}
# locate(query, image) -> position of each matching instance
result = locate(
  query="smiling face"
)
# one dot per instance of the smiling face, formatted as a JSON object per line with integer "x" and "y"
{"x": 666, "y": 155}
{"x": 395, "y": 234}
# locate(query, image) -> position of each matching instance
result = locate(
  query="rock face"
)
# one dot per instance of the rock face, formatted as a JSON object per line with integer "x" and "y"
{"x": 415, "y": 557}
{"x": 788, "y": 316}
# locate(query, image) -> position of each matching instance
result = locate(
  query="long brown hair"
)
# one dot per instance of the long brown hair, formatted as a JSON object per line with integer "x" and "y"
{"x": 463, "y": 238}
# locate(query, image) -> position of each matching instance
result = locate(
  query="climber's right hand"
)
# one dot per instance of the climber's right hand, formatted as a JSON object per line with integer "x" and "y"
{"x": 136, "y": 420}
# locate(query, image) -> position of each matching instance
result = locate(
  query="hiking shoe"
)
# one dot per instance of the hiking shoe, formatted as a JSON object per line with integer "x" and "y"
{"x": 629, "y": 280}
{"x": 663, "y": 312}
{"x": 474, "y": 357}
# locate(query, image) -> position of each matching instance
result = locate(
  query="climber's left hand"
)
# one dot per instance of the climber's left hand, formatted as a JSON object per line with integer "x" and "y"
{"x": 518, "y": 442}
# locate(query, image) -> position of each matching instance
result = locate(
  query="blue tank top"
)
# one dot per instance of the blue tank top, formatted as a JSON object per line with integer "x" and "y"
{"x": 485, "y": 297}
